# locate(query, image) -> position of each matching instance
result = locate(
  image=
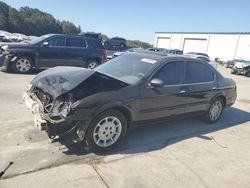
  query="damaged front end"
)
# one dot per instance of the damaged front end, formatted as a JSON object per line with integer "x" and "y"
{"x": 65, "y": 99}
{"x": 50, "y": 115}
{"x": 51, "y": 102}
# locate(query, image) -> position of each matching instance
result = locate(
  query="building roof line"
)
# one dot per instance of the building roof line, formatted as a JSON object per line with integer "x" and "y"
{"x": 227, "y": 33}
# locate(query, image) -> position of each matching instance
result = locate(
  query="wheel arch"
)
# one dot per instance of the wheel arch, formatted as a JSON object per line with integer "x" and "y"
{"x": 93, "y": 58}
{"x": 118, "y": 107}
{"x": 26, "y": 54}
{"x": 219, "y": 95}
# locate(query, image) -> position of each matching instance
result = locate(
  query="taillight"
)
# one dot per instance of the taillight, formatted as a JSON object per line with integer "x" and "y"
{"x": 104, "y": 52}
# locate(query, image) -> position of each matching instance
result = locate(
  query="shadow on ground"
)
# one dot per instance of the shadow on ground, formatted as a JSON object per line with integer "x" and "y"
{"x": 33, "y": 72}
{"x": 161, "y": 134}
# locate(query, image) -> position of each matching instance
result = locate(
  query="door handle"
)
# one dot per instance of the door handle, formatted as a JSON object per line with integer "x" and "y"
{"x": 182, "y": 91}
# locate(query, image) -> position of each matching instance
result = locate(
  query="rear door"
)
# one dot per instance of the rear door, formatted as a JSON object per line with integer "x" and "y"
{"x": 166, "y": 101}
{"x": 76, "y": 51}
{"x": 52, "y": 54}
{"x": 200, "y": 85}
{"x": 96, "y": 50}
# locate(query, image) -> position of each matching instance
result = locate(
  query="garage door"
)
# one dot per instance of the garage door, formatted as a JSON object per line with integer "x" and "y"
{"x": 195, "y": 45}
{"x": 163, "y": 42}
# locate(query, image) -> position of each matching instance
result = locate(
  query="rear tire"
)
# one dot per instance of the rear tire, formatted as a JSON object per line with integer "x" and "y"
{"x": 91, "y": 64}
{"x": 23, "y": 65}
{"x": 215, "y": 110}
{"x": 106, "y": 131}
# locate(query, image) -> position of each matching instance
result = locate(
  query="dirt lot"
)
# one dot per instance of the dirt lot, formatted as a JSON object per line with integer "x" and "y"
{"x": 181, "y": 153}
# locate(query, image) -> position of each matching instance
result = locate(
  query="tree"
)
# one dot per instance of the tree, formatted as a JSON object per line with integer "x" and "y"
{"x": 15, "y": 21}
{"x": 69, "y": 27}
{"x": 31, "y": 21}
{"x": 138, "y": 44}
{"x": 4, "y": 12}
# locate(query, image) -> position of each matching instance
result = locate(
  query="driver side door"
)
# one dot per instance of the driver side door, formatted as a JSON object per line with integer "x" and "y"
{"x": 53, "y": 53}
{"x": 169, "y": 100}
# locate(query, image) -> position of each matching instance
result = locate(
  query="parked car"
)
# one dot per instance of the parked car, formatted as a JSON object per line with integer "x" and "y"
{"x": 21, "y": 37}
{"x": 52, "y": 50}
{"x": 3, "y": 39}
{"x": 156, "y": 49}
{"x": 197, "y": 53}
{"x": 8, "y": 37}
{"x": 174, "y": 51}
{"x": 116, "y": 54}
{"x": 204, "y": 58}
{"x": 242, "y": 67}
{"x": 100, "y": 105}
{"x": 116, "y": 43}
{"x": 230, "y": 64}
{"x": 167, "y": 51}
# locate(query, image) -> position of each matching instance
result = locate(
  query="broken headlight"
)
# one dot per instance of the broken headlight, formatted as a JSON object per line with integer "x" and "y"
{"x": 64, "y": 110}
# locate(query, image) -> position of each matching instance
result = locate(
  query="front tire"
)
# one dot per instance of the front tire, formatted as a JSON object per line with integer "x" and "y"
{"x": 23, "y": 65}
{"x": 106, "y": 131}
{"x": 233, "y": 72}
{"x": 215, "y": 110}
{"x": 247, "y": 74}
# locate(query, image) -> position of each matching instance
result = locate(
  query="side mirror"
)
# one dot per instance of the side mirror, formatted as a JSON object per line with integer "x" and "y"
{"x": 45, "y": 44}
{"x": 157, "y": 83}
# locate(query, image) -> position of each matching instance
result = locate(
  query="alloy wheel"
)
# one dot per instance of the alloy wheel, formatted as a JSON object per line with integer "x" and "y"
{"x": 23, "y": 65}
{"x": 215, "y": 110}
{"x": 107, "y": 131}
{"x": 92, "y": 65}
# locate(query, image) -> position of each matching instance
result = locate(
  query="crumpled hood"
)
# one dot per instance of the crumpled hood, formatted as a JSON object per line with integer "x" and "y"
{"x": 59, "y": 80}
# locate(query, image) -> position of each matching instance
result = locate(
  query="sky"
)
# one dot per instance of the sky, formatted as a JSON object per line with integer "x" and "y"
{"x": 139, "y": 20}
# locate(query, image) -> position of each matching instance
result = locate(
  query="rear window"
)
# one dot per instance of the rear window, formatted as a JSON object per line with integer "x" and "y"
{"x": 76, "y": 42}
{"x": 92, "y": 43}
{"x": 198, "y": 72}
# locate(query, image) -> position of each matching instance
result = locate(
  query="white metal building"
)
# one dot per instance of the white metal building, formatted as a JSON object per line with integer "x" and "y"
{"x": 226, "y": 46}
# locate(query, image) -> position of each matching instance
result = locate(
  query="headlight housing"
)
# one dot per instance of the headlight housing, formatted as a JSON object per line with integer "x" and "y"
{"x": 65, "y": 109}
{"x": 63, "y": 113}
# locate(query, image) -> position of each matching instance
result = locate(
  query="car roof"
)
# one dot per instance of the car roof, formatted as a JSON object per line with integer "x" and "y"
{"x": 74, "y": 35}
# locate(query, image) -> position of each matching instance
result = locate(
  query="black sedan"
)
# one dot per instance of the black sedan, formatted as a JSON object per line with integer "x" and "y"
{"x": 100, "y": 105}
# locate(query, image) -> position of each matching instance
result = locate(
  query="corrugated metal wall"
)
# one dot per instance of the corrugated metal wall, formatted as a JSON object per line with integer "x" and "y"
{"x": 225, "y": 46}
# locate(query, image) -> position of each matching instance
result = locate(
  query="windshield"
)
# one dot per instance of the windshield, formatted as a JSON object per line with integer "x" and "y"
{"x": 129, "y": 68}
{"x": 38, "y": 39}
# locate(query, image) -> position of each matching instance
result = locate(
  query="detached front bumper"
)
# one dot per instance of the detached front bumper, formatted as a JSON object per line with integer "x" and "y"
{"x": 5, "y": 60}
{"x": 42, "y": 121}
{"x": 35, "y": 108}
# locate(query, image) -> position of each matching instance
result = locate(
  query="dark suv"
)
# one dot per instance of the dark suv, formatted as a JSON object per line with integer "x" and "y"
{"x": 50, "y": 51}
{"x": 116, "y": 43}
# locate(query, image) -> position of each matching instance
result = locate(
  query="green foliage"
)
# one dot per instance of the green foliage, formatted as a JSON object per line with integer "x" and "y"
{"x": 4, "y": 12}
{"x": 104, "y": 37}
{"x": 32, "y": 22}
{"x": 69, "y": 27}
{"x": 138, "y": 44}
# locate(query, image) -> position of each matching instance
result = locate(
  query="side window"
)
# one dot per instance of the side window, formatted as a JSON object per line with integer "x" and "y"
{"x": 96, "y": 44}
{"x": 57, "y": 41}
{"x": 198, "y": 72}
{"x": 76, "y": 42}
{"x": 172, "y": 73}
